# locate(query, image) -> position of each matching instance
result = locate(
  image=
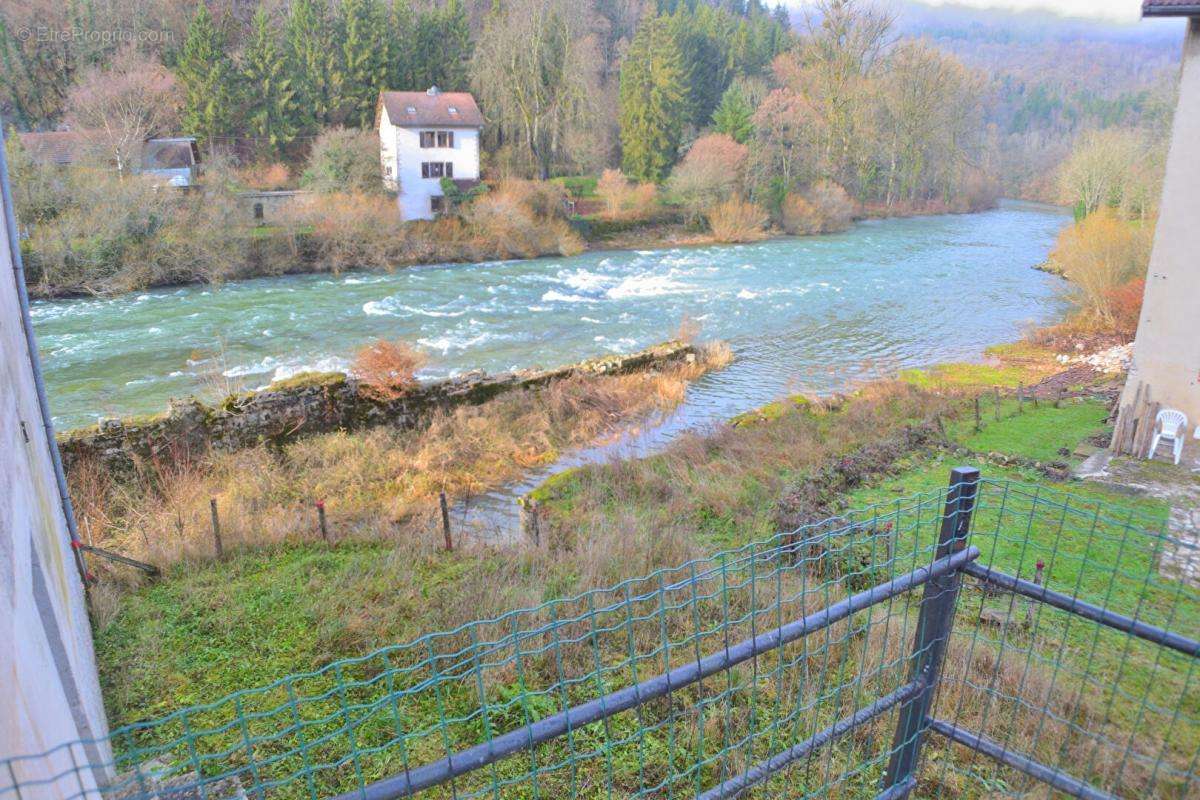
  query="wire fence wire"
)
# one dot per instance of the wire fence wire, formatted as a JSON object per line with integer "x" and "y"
{"x": 1105, "y": 707}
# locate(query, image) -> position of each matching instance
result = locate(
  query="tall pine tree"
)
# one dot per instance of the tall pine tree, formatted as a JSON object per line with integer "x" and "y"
{"x": 401, "y": 45}
{"x": 734, "y": 117}
{"x": 443, "y": 48}
{"x": 271, "y": 110}
{"x": 316, "y": 76}
{"x": 206, "y": 73}
{"x": 364, "y": 53}
{"x": 653, "y": 101}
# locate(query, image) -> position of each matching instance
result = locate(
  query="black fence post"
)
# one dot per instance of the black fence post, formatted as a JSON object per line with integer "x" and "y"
{"x": 933, "y": 630}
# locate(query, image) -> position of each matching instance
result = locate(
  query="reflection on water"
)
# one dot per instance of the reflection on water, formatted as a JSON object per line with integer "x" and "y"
{"x": 810, "y": 314}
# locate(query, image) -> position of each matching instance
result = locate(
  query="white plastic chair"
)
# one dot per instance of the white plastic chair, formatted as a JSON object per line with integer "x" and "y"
{"x": 1169, "y": 425}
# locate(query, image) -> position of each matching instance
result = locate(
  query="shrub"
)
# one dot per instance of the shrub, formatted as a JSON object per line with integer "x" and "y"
{"x": 349, "y": 230}
{"x": 834, "y": 205}
{"x": 624, "y": 199}
{"x": 977, "y": 191}
{"x": 522, "y": 219}
{"x": 824, "y": 207}
{"x": 711, "y": 171}
{"x": 1125, "y": 304}
{"x": 737, "y": 220}
{"x": 800, "y": 217}
{"x": 387, "y": 369}
{"x": 344, "y": 161}
{"x": 1101, "y": 254}
{"x": 267, "y": 177}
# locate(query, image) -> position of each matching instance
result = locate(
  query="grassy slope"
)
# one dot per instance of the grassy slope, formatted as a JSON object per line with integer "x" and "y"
{"x": 207, "y": 630}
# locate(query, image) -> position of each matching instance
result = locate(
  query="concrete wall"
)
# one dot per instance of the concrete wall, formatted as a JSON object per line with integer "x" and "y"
{"x": 49, "y": 690}
{"x": 273, "y": 204}
{"x": 1166, "y": 355}
{"x": 400, "y": 151}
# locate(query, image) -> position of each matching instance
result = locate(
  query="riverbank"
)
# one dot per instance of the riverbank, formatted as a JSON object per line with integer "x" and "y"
{"x": 208, "y": 628}
{"x": 275, "y": 250}
{"x": 146, "y": 488}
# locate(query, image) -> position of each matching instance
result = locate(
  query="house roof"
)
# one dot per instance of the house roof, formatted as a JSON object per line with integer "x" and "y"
{"x": 1171, "y": 8}
{"x": 66, "y": 147}
{"x": 430, "y": 108}
{"x": 53, "y": 147}
{"x": 170, "y": 153}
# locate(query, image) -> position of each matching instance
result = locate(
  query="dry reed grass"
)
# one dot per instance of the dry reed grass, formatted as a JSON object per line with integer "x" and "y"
{"x": 376, "y": 484}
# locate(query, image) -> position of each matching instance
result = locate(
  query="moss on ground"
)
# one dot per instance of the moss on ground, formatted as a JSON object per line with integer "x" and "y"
{"x": 305, "y": 380}
{"x": 965, "y": 375}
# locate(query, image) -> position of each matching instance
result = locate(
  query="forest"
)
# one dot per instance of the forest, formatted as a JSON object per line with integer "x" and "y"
{"x": 727, "y": 115}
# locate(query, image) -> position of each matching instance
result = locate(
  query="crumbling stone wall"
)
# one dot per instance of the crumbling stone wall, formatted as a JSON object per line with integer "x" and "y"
{"x": 314, "y": 403}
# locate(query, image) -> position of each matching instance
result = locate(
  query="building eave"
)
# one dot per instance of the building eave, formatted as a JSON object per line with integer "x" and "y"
{"x": 1192, "y": 10}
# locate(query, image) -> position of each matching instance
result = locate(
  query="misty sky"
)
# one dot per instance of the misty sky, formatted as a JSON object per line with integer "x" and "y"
{"x": 1111, "y": 9}
{"x": 1124, "y": 10}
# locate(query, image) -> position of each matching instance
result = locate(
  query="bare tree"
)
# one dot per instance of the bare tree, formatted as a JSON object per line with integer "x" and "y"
{"x": 123, "y": 104}
{"x": 537, "y": 68}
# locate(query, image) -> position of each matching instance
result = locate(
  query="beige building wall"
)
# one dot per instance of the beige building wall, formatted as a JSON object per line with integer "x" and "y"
{"x": 1166, "y": 355}
{"x": 49, "y": 689}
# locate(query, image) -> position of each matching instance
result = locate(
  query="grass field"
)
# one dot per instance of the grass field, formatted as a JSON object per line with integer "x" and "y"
{"x": 1118, "y": 712}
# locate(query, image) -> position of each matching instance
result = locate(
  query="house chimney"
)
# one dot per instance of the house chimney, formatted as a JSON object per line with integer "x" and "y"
{"x": 433, "y": 91}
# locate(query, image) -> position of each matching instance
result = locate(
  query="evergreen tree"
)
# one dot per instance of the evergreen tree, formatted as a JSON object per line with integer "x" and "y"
{"x": 364, "y": 50}
{"x": 447, "y": 46}
{"x": 734, "y": 116}
{"x": 400, "y": 48}
{"x": 270, "y": 100}
{"x": 316, "y": 76}
{"x": 653, "y": 105}
{"x": 206, "y": 73}
{"x": 705, "y": 59}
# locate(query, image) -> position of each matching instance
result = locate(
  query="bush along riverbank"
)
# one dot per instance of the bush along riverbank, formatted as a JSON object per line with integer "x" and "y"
{"x": 292, "y": 602}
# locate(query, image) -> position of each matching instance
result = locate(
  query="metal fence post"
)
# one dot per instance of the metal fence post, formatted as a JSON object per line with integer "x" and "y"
{"x": 933, "y": 629}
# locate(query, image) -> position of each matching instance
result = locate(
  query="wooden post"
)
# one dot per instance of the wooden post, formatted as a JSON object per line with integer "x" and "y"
{"x": 978, "y": 421}
{"x": 1021, "y": 397}
{"x": 942, "y": 429}
{"x": 996, "y": 402}
{"x": 535, "y": 513}
{"x": 321, "y": 520}
{"x": 445, "y": 520}
{"x": 529, "y": 521}
{"x": 1037, "y": 578}
{"x": 216, "y": 528}
{"x": 1059, "y": 397}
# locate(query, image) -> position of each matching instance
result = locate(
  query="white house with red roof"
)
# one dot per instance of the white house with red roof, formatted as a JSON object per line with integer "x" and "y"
{"x": 424, "y": 137}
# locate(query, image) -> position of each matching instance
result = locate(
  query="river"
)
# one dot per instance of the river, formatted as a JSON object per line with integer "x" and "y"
{"x": 802, "y": 314}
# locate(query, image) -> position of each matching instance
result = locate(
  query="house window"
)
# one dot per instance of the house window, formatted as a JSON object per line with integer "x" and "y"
{"x": 427, "y": 139}
{"x": 453, "y": 110}
{"x": 437, "y": 169}
{"x": 437, "y": 204}
{"x": 445, "y": 138}
{"x": 258, "y": 210}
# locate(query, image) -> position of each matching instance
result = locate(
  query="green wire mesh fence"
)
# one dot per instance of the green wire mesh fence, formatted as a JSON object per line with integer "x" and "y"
{"x": 1102, "y": 706}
